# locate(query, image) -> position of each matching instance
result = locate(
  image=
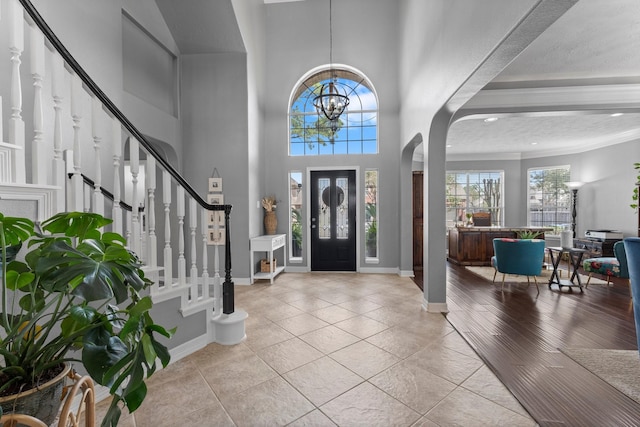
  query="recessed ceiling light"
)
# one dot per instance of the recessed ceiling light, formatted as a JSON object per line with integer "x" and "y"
{"x": 490, "y": 119}
{"x": 617, "y": 114}
{"x": 534, "y": 143}
{"x": 449, "y": 145}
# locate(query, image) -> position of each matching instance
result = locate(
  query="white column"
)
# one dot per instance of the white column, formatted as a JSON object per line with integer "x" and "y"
{"x": 38, "y": 156}
{"x": 182, "y": 266}
{"x": 116, "y": 143}
{"x": 152, "y": 242}
{"x": 168, "y": 256}
{"x": 76, "y": 115}
{"x": 134, "y": 164}
{"x": 57, "y": 91}
{"x": 16, "y": 124}
{"x": 96, "y": 130}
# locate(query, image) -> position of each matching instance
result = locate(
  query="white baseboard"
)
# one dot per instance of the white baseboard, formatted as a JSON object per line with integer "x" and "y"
{"x": 378, "y": 270}
{"x": 407, "y": 273}
{"x": 434, "y": 307}
{"x": 292, "y": 269}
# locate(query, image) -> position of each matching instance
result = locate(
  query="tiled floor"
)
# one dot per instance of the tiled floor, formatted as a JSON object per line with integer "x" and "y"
{"x": 332, "y": 349}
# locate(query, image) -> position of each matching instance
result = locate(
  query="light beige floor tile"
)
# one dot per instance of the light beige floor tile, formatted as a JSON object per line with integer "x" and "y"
{"x": 454, "y": 341}
{"x": 212, "y": 415}
{"x": 362, "y": 326}
{"x": 418, "y": 389}
{"x": 487, "y": 385}
{"x": 329, "y": 339}
{"x": 365, "y": 359}
{"x": 216, "y": 354}
{"x": 368, "y": 406}
{"x": 266, "y": 334}
{"x": 360, "y": 306}
{"x": 238, "y": 375}
{"x": 424, "y": 422}
{"x": 301, "y": 324}
{"x": 334, "y": 297}
{"x": 398, "y": 342}
{"x": 446, "y": 363}
{"x": 322, "y": 380}
{"x": 313, "y": 419}
{"x": 333, "y": 314}
{"x": 271, "y": 403}
{"x": 309, "y": 304}
{"x": 288, "y": 355}
{"x": 463, "y": 407}
{"x": 283, "y": 311}
{"x": 167, "y": 401}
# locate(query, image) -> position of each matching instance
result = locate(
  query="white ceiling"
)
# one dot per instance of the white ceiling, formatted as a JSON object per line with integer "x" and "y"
{"x": 595, "y": 42}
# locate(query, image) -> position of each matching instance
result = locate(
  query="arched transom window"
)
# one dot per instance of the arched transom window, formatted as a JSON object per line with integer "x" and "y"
{"x": 354, "y": 132}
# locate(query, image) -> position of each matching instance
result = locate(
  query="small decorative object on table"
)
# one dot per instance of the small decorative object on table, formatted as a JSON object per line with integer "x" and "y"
{"x": 469, "y": 223}
{"x": 270, "y": 219}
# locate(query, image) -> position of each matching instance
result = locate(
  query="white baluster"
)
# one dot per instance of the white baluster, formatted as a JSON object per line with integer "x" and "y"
{"x": 205, "y": 256}
{"x": 193, "y": 225}
{"x": 182, "y": 266}
{"x": 16, "y": 124}
{"x": 152, "y": 243}
{"x": 134, "y": 164}
{"x": 217, "y": 285}
{"x": 116, "y": 142}
{"x": 168, "y": 257}
{"x": 96, "y": 130}
{"x": 38, "y": 157}
{"x": 57, "y": 91}
{"x": 76, "y": 114}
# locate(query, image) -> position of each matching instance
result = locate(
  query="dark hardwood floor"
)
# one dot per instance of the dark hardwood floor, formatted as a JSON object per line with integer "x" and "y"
{"x": 519, "y": 335}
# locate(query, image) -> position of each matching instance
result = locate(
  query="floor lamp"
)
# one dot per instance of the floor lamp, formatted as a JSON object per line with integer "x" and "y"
{"x": 574, "y": 186}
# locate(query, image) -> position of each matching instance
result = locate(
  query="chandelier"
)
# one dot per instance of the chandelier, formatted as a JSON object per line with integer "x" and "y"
{"x": 331, "y": 101}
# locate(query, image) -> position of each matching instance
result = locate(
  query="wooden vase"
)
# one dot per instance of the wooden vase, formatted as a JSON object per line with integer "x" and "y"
{"x": 270, "y": 222}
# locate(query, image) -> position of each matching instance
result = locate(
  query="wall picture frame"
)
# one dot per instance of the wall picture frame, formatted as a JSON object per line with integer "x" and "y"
{"x": 215, "y": 185}
{"x": 215, "y": 199}
{"x": 216, "y": 217}
{"x": 216, "y": 237}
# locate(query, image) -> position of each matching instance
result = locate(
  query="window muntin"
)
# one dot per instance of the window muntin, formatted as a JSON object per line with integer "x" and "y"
{"x": 474, "y": 191}
{"x": 549, "y": 198}
{"x": 355, "y": 132}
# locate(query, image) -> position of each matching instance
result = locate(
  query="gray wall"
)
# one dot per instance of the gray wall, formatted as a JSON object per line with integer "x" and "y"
{"x": 374, "y": 53}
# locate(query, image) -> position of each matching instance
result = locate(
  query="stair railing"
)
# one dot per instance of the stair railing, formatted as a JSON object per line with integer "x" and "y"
{"x": 80, "y": 85}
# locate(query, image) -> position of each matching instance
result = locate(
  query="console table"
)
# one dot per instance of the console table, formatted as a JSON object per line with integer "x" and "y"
{"x": 596, "y": 248}
{"x": 268, "y": 244}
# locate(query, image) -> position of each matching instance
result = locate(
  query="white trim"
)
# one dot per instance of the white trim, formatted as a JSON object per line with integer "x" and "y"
{"x": 434, "y": 307}
{"x": 196, "y": 307}
{"x": 379, "y": 270}
{"x": 43, "y": 195}
{"x": 296, "y": 269}
{"x": 406, "y": 273}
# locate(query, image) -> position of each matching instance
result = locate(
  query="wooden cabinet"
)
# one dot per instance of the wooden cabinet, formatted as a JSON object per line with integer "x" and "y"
{"x": 474, "y": 245}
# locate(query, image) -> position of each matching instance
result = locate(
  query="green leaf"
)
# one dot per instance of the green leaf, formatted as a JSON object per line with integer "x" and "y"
{"x": 100, "y": 352}
{"x": 134, "y": 398}
{"x": 162, "y": 352}
{"x": 141, "y": 307}
{"x": 17, "y": 280}
{"x": 161, "y": 330}
{"x": 33, "y": 302}
{"x": 149, "y": 351}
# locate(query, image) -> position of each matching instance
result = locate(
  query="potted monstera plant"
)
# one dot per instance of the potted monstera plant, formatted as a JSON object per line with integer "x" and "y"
{"x": 76, "y": 298}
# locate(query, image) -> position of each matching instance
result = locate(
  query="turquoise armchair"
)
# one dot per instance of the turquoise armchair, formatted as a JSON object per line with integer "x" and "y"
{"x": 518, "y": 256}
{"x": 615, "y": 266}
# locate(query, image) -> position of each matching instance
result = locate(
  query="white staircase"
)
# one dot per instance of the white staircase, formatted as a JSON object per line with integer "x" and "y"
{"x": 73, "y": 151}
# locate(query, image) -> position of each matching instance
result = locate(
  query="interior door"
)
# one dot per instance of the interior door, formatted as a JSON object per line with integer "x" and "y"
{"x": 333, "y": 220}
{"x": 418, "y": 236}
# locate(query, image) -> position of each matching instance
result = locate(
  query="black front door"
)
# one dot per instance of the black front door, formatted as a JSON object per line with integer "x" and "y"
{"x": 333, "y": 220}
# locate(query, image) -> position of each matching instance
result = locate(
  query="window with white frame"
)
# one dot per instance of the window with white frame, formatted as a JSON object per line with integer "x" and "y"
{"x": 296, "y": 196}
{"x": 353, "y": 132}
{"x": 549, "y": 198}
{"x": 468, "y": 192}
{"x": 371, "y": 213}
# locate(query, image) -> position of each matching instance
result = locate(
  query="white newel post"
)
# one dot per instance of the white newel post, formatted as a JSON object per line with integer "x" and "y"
{"x": 205, "y": 256}
{"x": 75, "y": 202}
{"x": 134, "y": 164}
{"x": 152, "y": 242}
{"x": 168, "y": 256}
{"x": 38, "y": 156}
{"x": 57, "y": 91}
{"x": 96, "y": 130}
{"x": 116, "y": 142}
{"x": 182, "y": 266}
{"x": 193, "y": 225}
{"x": 16, "y": 124}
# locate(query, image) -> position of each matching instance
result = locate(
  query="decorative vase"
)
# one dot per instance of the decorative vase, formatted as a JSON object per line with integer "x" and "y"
{"x": 42, "y": 402}
{"x": 270, "y": 222}
{"x": 632, "y": 250}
